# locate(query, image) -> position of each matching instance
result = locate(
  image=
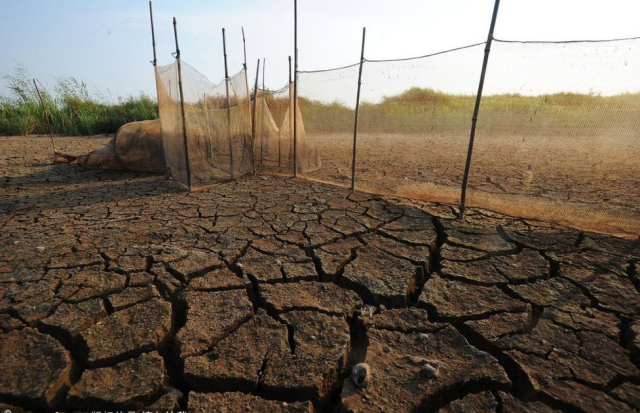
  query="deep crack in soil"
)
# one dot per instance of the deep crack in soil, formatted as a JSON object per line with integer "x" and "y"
{"x": 265, "y": 292}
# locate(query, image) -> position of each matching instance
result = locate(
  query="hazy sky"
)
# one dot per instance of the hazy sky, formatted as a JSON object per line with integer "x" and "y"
{"x": 108, "y": 43}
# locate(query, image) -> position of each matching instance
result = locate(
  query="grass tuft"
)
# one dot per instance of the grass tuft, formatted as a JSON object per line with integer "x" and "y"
{"x": 72, "y": 109}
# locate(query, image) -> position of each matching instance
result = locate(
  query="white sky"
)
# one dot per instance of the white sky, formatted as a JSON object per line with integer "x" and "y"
{"x": 107, "y": 44}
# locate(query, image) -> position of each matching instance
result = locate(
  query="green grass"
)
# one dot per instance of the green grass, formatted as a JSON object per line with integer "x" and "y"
{"x": 425, "y": 110}
{"x": 73, "y": 111}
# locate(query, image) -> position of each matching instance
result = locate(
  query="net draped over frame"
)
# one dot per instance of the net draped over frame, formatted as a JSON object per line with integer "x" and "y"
{"x": 558, "y": 135}
{"x": 274, "y": 134}
{"x": 218, "y": 145}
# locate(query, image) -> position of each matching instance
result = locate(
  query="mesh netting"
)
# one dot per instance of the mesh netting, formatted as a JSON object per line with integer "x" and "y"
{"x": 272, "y": 152}
{"x": 327, "y": 102}
{"x": 559, "y": 134}
{"x": 136, "y": 146}
{"x": 218, "y": 144}
{"x": 414, "y": 124}
{"x": 274, "y": 134}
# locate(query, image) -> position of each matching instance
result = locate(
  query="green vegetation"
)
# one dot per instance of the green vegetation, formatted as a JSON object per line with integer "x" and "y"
{"x": 72, "y": 109}
{"x": 425, "y": 110}
{"x": 75, "y": 112}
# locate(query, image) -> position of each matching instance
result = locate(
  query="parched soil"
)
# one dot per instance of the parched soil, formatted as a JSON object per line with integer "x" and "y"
{"x": 585, "y": 182}
{"x": 121, "y": 291}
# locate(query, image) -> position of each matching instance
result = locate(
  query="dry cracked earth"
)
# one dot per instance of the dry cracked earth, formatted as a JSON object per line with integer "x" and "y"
{"x": 120, "y": 291}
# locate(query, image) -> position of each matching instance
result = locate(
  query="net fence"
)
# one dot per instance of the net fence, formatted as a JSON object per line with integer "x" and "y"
{"x": 558, "y": 133}
{"x": 274, "y": 139}
{"x": 327, "y": 100}
{"x": 213, "y": 142}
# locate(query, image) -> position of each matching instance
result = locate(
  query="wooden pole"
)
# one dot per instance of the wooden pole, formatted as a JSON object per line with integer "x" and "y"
{"x": 355, "y": 124}
{"x": 153, "y": 36}
{"x": 46, "y": 116}
{"x": 295, "y": 88}
{"x": 254, "y": 121}
{"x": 476, "y": 110}
{"x": 184, "y": 117}
{"x": 246, "y": 74}
{"x": 246, "y": 83}
{"x": 226, "y": 81}
{"x": 290, "y": 125}
{"x": 264, "y": 91}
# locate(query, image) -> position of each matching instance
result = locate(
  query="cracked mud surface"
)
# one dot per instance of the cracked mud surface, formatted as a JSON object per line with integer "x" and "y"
{"x": 121, "y": 291}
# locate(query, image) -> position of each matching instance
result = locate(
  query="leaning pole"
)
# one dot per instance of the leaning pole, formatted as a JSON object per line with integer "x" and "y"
{"x": 226, "y": 82}
{"x": 254, "y": 119}
{"x": 184, "y": 117}
{"x": 355, "y": 123}
{"x": 295, "y": 88}
{"x": 476, "y": 110}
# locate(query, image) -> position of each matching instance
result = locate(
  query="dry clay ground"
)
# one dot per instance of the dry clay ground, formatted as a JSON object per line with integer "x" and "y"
{"x": 119, "y": 290}
{"x": 574, "y": 179}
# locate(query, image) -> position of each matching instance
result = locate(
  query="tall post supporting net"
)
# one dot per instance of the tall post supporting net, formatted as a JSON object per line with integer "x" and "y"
{"x": 326, "y": 103}
{"x": 414, "y": 124}
{"x": 559, "y": 134}
{"x": 274, "y": 134}
{"x": 218, "y": 142}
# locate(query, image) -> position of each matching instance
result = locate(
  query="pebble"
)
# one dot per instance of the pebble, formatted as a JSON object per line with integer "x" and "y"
{"x": 429, "y": 371}
{"x": 360, "y": 374}
{"x": 40, "y": 248}
{"x": 424, "y": 338}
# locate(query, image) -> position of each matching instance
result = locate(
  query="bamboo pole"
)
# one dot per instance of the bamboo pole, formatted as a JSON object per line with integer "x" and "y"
{"x": 46, "y": 117}
{"x": 184, "y": 117}
{"x": 226, "y": 81}
{"x": 290, "y": 125}
{"x": 154, "y": 62}
{"x": 264, "y": 88}
{"x": 295, "y": 88}
{"x": 476, "y": 110}
{"x": 153, "y": 36}
{"x": 355, "y": 124}
{"x": 246, "y": 77}
{"x": 254, "y": 122}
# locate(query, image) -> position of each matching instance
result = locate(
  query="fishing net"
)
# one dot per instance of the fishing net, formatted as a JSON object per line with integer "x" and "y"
{"x": 137, "y": 146}
{"x": 414, "y": 124}
{"x": 558, "y": 134}
{"x": 558, "y": 137}
{"x": 326, "y": 102}
{"x": 274, "y": 141}
{"x": 214, "y": 144}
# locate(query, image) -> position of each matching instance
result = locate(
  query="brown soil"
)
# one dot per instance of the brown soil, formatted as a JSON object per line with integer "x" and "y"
{"x": 588, "y": 184}
{"x": 121, "y": 291}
